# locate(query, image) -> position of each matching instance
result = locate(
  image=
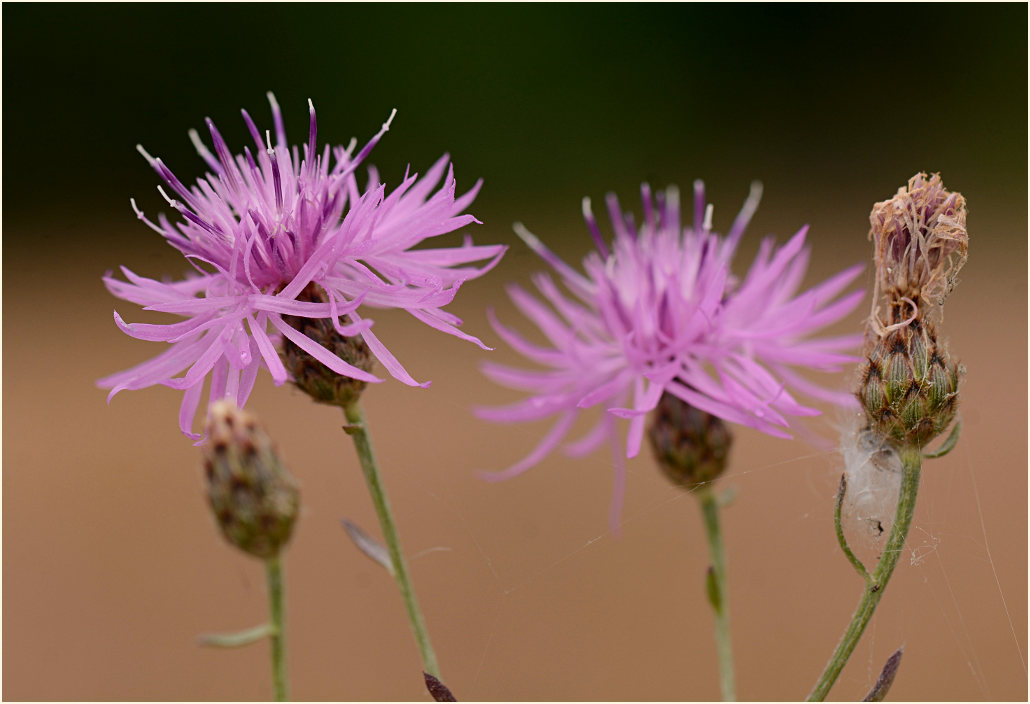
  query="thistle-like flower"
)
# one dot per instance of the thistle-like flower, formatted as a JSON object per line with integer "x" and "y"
{"x": 660, "y": 312}
{"x": 280, "y": 235}
{"x": 909, "y": 385}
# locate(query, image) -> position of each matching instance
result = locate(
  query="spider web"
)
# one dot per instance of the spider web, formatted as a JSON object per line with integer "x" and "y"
{"x": 936, "y": 551}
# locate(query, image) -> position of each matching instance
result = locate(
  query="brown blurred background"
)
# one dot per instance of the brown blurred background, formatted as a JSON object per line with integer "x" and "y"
{"x": 111, "y": 564}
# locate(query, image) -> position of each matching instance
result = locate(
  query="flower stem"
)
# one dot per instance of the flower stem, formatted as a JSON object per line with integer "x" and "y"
{"x": 911, "y": 463}
{"x": 843, "y": 541}
{"x": 358, "y": 430}
{"x": 717, "y": 592}
{"x": 277, "y": 632}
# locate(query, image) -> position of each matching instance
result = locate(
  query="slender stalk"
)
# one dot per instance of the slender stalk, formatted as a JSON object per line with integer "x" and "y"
{"x": 911, "y": 462}
{"x": 277, "y": 632}
{"x": 841, "y": 540}
{"x": 358, "y": 430}
{"x": 717, "y": 592}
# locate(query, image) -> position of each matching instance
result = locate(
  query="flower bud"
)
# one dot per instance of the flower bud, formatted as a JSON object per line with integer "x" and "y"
{"x": 690, "y": 445}
{"x": 253, "y": 498}
{"x": 311, "y": 376}
{"x": 909, "y": 388}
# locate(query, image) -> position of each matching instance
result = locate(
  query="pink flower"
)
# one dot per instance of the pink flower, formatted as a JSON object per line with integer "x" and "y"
{"x": 264, "y": 229}
{"x": 659, "y": 311}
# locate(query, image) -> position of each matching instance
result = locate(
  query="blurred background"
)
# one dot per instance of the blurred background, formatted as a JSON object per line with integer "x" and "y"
{"x": 112, "y": 565}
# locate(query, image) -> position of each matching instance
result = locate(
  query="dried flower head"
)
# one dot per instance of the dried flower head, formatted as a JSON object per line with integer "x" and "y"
{"x": 908, "y": 384}
{"x": 659, "y": 312}
{"x": 279, "y": 235}
{"x": 920, "y": 244}
{"x": 254, "y": 499}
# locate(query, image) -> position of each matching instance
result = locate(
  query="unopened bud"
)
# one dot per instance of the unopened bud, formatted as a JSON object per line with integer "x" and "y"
{"x": 311, "y": 376}
{"x": 691, "y": 446}
{"x": 909, "y": 388}
{"x": 253, "y": 498}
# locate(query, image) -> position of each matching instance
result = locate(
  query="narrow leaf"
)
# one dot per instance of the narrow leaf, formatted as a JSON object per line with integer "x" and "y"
{"x": 948, "y": 445}
{"x": 841, "y": 539}
{"x": 886, "y": 679}
{"x": 438, "y": 689}
{"x": 238, "y": 639}
{"x": 712, "y": 588}
{"x": 369, "y": 546}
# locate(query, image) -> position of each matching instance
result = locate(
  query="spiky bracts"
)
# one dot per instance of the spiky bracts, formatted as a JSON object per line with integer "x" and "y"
{"x": 692, "y": 447}
{"x": 909, "y": 389}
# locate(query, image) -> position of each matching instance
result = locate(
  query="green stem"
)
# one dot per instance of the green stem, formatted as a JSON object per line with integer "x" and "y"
{"x": 911, "y": 462}
{"x": 841, "y": 540}
{"x": 274, "y": 572}
{"x": 358, "y": 430}
{"x": 717, "y": 593}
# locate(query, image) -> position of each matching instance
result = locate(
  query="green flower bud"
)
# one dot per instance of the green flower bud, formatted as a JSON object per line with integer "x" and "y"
{"x": 253, "y": 498}
{"x": 909, "y": 389}
{"x": 691, "y": 446}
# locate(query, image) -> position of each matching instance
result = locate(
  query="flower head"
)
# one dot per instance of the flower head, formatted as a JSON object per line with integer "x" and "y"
{"x": 659, "y": 311}
{"x": 909, "y": 383}
{"x": 285, "y": 233}
{"x": 920, "y": 244}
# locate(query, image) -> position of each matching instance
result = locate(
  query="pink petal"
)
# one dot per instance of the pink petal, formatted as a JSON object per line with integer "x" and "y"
{"x": 551, "y": 440}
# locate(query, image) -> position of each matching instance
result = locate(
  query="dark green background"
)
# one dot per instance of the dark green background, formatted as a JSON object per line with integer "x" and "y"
{"x": 546, "y": 102}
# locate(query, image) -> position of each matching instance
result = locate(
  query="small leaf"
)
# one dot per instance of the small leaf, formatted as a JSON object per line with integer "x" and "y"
{"x": 841, "y": 538}
{"x": 438, "y": 689}
{"x": 948, "y": 445}
{"x": 712, "y": 587}
{"x": 238, "y": 639}
{"x": 886, "y": 678}
{"x": 367, "y": 545}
